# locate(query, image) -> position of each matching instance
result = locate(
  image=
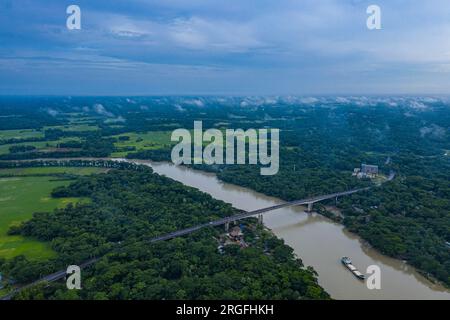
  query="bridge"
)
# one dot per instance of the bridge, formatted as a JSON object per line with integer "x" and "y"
{"x": 259, "y": 213}
{"x": 223, "y": 221}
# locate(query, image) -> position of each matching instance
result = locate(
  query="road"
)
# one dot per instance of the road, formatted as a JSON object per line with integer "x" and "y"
{"x": 62, "y": 273}
{"x": 49, "y": 278}
{"x": 249, "y": 214}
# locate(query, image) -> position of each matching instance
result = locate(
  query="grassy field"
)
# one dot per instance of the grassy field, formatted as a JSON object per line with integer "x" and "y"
{"x": 20, "y": 134}
{"x": 41, "y": 145}
{"x": 20, "y": 197}
{"x": 80, "y": 118}
{"x": 154, "y": 140}
{"x": 76, "y": 127}
{"x": 50, "y": 170}
{"x": 143, "y": 141}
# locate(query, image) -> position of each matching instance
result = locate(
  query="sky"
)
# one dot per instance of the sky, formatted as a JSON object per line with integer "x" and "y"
{"x": 230, "y": 47}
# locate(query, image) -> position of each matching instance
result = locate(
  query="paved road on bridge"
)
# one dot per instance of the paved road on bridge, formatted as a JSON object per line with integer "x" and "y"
{"x": 249, "y": 214}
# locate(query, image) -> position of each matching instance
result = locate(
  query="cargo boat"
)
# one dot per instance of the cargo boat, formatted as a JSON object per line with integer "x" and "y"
{"x": 348, "y": 263}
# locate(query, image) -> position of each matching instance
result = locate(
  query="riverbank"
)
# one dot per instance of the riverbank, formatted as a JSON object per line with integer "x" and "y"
{"x": 334, "y": 213}
{"x": 317, "y": 240}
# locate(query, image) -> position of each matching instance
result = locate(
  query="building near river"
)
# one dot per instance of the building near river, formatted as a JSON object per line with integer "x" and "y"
{"x": 366, "y": 171}
{"x": 369, "y": 169}
{"x": 236, "y": 234}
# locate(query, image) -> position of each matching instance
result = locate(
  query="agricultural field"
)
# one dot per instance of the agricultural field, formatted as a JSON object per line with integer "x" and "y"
{"x": 80, "y": 118}
{"x": 142, "y": 141}
{"x": 153, "y": 140}
{"x": 83, "y": 171}
{"x": 20, "y": 134}
{"x": 21, "y": 196}
{"x": 75, "y": 127}
{"x": 40, "y": 145}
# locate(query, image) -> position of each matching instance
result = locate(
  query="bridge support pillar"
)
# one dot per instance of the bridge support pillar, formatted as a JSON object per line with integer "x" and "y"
{"x": 310, "y": 207}
{"x": 260, "y": 219}
{"x": 227, "y": 226}
{"x": 336, "y": 200}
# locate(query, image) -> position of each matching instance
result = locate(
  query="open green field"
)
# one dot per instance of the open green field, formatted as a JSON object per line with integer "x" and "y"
{"x": 51, "y": 170}
{"x": 20, "y": 134}
{"x": 143, "y": 141}
{"x": 41, "y": 145}
{"x": 81, "y": 118}
{"x": 4, "y": 148}
{"x": 20, "y": 197}
{"x": 154, "y": 140}
{"x": 76, "y": 127}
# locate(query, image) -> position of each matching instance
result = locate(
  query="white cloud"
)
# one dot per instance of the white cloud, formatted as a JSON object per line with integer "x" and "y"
{"x": 342, "y": 100}
{"x": 232, "y": 46}
{"x": 52, "y": 112}
{"x": 309, "y": 100}
{"x": 179, "y": 108}
{"x": 206, "y": 34}
{"x": 100, "y": 109}
{"x": 417, "y": 105}
{"x": 434, "y": 131}
{"x": 195, "y": 102}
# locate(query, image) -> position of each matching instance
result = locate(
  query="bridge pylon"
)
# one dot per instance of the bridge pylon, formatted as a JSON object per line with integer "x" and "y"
{"x": 260, "y": 219}
{"x": 310, "y": 207}
{"x": 227, "y": 226}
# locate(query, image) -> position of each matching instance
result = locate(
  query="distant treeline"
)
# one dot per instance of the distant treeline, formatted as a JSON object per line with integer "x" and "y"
{"x": 75, "y": 163}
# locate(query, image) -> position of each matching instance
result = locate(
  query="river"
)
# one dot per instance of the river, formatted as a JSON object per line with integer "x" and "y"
{"x": 318, "y": 241}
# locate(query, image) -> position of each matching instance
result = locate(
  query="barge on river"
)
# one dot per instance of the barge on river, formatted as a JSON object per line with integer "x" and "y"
{"x": 348, "y": 263}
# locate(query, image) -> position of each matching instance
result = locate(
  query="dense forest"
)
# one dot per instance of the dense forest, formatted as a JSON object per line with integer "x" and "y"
{"x": 322, "y": 140}
{"x": 128, "y": 208}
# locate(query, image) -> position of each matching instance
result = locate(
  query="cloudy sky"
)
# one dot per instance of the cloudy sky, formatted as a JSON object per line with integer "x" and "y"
{"x": 139, "y": 47}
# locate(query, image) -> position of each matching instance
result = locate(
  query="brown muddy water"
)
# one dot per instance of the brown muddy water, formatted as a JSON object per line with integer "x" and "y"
{"x": 318, "y": 241}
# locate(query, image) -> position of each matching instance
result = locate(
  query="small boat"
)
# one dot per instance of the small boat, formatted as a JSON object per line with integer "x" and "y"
{"x": 348, "y": 263}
